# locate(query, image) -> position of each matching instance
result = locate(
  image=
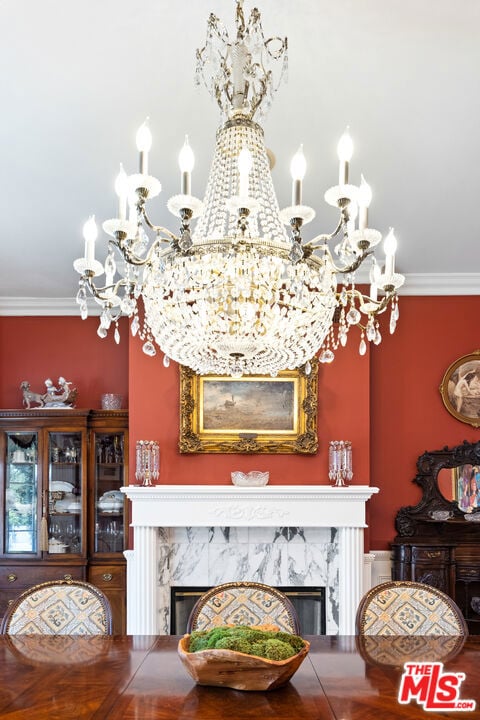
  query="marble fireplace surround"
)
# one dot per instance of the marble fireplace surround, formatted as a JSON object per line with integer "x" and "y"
{"x": 169, "y": 518}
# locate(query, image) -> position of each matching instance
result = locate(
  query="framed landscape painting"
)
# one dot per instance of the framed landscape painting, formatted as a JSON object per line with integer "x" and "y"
{"x": 252, "y": 414}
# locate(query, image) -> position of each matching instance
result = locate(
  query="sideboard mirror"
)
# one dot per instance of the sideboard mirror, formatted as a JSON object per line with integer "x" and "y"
{"x": 450, "y": 482}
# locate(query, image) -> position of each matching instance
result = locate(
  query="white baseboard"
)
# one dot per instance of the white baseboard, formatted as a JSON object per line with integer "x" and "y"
{"x": 381, "y": 566}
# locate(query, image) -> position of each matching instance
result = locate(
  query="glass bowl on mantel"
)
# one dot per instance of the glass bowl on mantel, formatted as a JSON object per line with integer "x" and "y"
{"x": 254, "y": 478}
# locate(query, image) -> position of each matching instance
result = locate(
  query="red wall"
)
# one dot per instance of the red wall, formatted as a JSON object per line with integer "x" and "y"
{"x": 387, "y": 404}
{"x": 343, "y": 414}
{"x": 37, "y": 348}
{"x": 407, "y": 415}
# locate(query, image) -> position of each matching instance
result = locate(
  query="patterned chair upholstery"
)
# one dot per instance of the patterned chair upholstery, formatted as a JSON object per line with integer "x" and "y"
{"x": 59, "y": 607}
{"x": 243, "y": 603}
{"x": 408, "y": 608}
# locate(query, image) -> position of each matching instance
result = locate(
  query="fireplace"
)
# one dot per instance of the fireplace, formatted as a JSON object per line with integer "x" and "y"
{"x": 285, "y": 536}
{"x": 309, "y": 603}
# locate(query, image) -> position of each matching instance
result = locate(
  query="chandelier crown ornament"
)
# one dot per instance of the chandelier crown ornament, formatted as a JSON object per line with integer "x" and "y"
{"x": 241, "y": 293}
{"x": 241, "y": 74}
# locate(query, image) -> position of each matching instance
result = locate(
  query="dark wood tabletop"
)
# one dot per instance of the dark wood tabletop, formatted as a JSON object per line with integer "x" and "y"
{"x": 139, "y": 678}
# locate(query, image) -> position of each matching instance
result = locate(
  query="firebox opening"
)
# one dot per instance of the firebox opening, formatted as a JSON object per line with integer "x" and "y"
{"x": 309, "y": 602}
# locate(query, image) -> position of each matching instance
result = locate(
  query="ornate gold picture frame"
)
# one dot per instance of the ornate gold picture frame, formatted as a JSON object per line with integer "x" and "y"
{"x": 460, "y": 389}
{"x": 252, "y": 414}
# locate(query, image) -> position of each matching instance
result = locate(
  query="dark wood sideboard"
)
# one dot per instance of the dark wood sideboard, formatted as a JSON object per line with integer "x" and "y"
{"x": 438, "y": 542}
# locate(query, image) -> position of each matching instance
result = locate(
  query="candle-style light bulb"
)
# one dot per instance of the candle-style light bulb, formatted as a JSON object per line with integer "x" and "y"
{"x": 298, "y": 168}
{"x": 374, "y": 276}
{"x": 186, "y": 161}
{"x": 121, "y": 188}
{"x": 352, "y": 216}
{"x": 364, "y": 200}
{"x": 244, "y": 167}
{"x": 345, "y": 152}
{"x": 390, "y": 247}
{"x": 144, "y": 144}
{"x": 90, "y": 233}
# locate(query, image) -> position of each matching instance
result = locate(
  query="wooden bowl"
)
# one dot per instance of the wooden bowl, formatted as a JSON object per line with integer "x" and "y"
{"x": 231, "y": 669}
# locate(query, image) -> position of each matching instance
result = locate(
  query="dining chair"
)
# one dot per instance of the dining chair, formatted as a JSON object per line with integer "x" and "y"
{"x": 243, "y": 603}
{"x": 402, "y": 607}
{"x": 59, "y": 607}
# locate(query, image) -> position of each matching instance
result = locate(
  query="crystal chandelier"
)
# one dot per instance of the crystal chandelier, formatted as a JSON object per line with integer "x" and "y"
{"x": 239, "y": 294}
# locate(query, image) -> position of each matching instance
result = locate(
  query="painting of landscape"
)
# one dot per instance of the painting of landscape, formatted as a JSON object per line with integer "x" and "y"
{"x": 249, "y": 405}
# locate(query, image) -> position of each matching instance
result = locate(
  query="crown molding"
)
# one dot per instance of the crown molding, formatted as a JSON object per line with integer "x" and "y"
{"x": 441, "y": 284}
{"x": 29, "y": 306}
{"x": 415, "y": 284}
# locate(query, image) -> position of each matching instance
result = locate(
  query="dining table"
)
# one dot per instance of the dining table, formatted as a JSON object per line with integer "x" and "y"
{"x": 129, "y": 677}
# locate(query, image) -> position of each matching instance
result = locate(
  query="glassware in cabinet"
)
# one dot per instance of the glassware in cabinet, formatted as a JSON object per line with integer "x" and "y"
{"x": 109, "y": 477}
{"x": 65, "y": 497}
{"x": 21, "y": 493}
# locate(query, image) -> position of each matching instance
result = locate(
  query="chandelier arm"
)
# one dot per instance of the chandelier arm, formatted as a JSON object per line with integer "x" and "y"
{"x": 325, "y": 237}
{"x": 97, "y": 292}
{"x": 354, "y": 266}
{"x": 158, "y": 228}
{"x": 132, "y": 259}
{"x": 381, "y": 305}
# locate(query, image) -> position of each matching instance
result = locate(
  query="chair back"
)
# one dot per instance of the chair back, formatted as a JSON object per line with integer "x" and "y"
{"x": 243, "y": 603}
{"x": 408, "y": 608}
{"x": 59, "y": 607}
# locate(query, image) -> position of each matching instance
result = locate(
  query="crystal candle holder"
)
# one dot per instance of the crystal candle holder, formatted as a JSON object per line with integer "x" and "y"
{"x": 147, "y": 462}
{"x": 340, "y": 462}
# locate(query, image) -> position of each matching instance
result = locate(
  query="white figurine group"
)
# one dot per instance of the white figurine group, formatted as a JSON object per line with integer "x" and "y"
{"x": 61, "y": 396}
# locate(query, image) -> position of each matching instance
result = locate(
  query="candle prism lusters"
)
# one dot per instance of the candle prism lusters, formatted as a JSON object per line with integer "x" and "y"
{"x": 147, "y": 465}
{"x": 340, "y": 462}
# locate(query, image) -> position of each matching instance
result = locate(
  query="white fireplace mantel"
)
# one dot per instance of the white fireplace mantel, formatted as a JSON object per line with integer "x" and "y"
{"x": 234, "y": 506}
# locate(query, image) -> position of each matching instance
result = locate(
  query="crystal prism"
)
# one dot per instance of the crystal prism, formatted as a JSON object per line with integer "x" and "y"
{"x": 296, "y": 253}
{"x": 149, "y": 348}
{"x": 326, "y": 356}
{"x": 353, "y": 316}
{"x": 135, "y": 326}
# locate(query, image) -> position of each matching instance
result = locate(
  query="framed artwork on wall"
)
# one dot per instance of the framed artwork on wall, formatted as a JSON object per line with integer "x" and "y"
{"x": 251, "y": 414}
{"x": 460, "y": 389}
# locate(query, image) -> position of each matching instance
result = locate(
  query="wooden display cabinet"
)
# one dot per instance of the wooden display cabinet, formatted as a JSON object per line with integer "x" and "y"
{"x": 51, "y": 515}
{"x": 438, "y": 540}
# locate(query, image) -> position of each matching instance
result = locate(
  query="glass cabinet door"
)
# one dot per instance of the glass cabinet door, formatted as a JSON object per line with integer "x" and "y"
{"x": 64, "y": 492}
{"x": 21, "y": 493}
{"x": 109, "y": 536}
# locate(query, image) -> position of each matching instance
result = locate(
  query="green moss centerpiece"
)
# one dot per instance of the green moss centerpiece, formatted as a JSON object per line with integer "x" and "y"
{"x": 242, "y": 657}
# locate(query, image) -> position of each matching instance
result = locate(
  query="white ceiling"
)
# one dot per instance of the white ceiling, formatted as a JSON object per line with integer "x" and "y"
{"x": 78, "y": 78}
